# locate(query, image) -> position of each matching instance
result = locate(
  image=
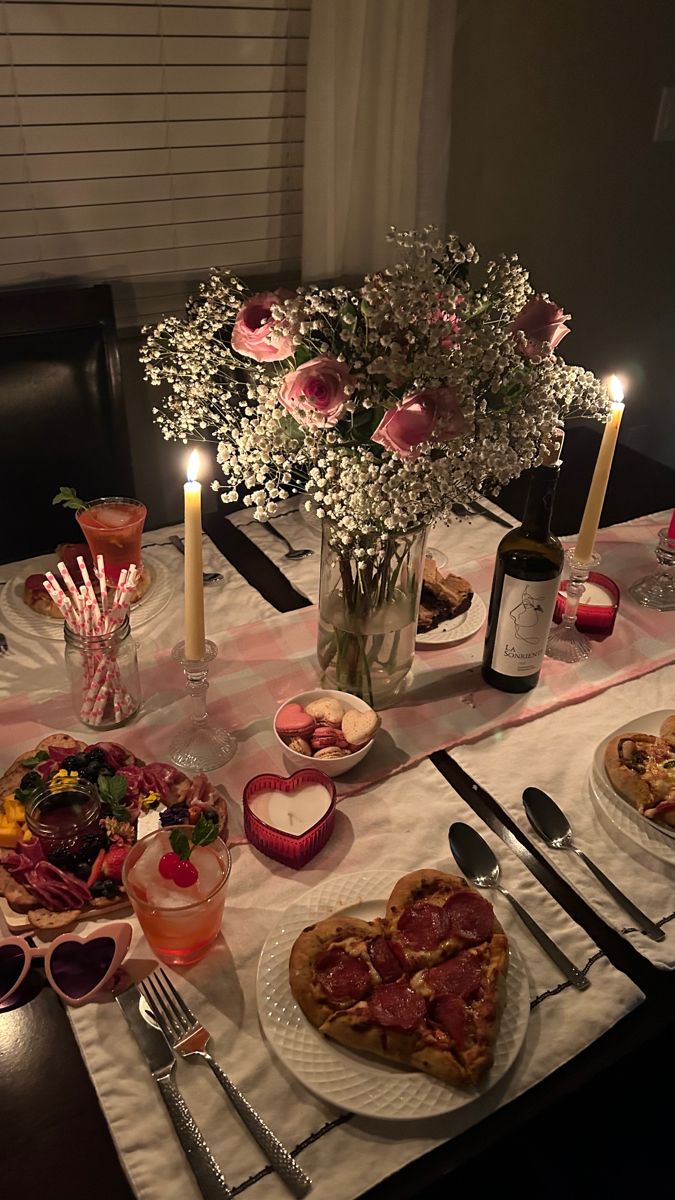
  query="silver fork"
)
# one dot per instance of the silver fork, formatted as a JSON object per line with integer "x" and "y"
{"x": 187, "y": 1037}
{"x": 4, "y": 646}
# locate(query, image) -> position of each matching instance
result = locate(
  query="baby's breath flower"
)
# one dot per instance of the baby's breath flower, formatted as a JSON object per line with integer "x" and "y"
{"x": 419, "y": 325}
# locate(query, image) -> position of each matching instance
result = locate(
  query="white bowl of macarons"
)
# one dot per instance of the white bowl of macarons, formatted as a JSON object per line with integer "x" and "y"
{"x": 331, "y": 731}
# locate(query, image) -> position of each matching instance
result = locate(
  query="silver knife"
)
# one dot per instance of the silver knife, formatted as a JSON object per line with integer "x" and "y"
{"x": 160, "y": 1058}
{"x": 492, "y": 516}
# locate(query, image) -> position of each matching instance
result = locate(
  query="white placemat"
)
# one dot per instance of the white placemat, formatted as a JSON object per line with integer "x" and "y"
{"x": 555, "y": 753}
{"x": 37, "y": 663}
{"x": 401, "y": 823}
{"x": 462, "y": 541}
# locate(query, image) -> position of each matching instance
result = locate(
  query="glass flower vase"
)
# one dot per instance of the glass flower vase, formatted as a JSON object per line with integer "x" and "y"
{"x": 368, "y": 607}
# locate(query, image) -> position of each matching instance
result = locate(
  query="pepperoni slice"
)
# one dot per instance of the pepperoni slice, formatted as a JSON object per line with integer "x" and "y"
{"x": 397, "y": 1005}
{"x": 341, "y": 976}
{"x": 385, "y": 960}
{"x": 423, "y": 926}
{"x": 459, "y": 976}
{"x": 470, "y": 917}
{"x": 450, "y": 1013}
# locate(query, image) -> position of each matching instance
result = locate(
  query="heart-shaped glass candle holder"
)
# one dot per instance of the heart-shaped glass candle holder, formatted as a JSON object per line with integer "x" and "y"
{"x": 286, "y": 818}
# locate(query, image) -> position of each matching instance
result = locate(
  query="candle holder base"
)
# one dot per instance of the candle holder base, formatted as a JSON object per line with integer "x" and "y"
{"x": 198, "y": 745}
{"x": 568, "y": 646}
{"x": 658, "y": 590}
{"x": 565, "y": 642}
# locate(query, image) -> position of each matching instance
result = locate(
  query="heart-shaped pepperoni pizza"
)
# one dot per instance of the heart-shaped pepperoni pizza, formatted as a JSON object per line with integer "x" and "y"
{"x": 423, "y": 986}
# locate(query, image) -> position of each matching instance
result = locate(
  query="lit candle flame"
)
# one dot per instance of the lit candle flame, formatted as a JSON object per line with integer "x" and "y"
{"x": 615, "y": 390}
{"x": 193, "y": 467}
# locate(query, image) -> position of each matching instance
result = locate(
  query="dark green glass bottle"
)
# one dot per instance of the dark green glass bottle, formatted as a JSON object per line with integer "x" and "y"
{"x": 524, "y": 589}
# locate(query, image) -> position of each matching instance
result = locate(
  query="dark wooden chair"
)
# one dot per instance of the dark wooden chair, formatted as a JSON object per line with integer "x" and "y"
{"x": 62, "y": 418}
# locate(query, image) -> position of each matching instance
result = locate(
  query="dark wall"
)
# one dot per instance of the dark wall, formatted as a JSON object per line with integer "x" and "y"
{"x": 554, "y": 108}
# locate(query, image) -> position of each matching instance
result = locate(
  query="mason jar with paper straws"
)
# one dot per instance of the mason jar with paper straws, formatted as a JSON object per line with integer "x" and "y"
{"x": 100, "y": 653}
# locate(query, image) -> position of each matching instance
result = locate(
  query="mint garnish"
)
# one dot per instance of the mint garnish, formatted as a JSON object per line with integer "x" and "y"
{"x": 67, "y": 496}
{"x": 203, "y": 833}
{"x": 113, "y": 789}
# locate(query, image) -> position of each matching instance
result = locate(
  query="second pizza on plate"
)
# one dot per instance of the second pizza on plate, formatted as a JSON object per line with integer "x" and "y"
{"x": 641, "y": 768}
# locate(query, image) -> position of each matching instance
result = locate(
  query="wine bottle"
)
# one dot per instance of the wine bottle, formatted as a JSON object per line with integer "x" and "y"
{"x": 524, "y": 588}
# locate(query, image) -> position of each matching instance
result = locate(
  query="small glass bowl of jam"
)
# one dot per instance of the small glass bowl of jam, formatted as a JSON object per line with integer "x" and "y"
{"x": 63, "y": 814}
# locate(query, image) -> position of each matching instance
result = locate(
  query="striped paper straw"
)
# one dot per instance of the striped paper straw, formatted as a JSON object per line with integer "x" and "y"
{"x": 89, "y": 590}
{"x": 62, "y": 602}
{"x": 66, "y": 577}
{"x": 103, "y": 587}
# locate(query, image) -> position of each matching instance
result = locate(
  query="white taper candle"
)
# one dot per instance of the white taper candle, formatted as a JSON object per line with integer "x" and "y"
{"x": 194, "y": 584}
{"x": 596, "y": 496}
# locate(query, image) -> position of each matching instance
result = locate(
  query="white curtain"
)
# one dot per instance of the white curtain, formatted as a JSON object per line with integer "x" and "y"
{"x": 377, "y": 134}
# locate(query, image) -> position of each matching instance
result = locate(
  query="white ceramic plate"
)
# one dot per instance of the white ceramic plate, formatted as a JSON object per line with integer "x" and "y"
{"x": 33, "y": 624}
{"x": 360, "y": 1084}
{"x": 457, "y": 628}
{"x": 647, "y": 835}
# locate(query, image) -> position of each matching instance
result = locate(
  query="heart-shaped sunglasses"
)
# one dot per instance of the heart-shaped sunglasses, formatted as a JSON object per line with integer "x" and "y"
{"x": 77, "y": 967}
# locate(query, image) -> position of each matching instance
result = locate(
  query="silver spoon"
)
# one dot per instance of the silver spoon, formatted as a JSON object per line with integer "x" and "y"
{"x": 291, "y": 552}
{"x": 552, "y": 825}
{"x": 207, "y": 576}
{"x": 476, "y": 860}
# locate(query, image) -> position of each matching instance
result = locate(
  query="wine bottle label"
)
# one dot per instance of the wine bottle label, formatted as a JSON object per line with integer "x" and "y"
{"x": 523, "y": 626}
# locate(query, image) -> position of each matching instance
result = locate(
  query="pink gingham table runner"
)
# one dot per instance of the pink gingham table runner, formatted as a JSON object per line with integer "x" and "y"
{"x": 447, "y": 704}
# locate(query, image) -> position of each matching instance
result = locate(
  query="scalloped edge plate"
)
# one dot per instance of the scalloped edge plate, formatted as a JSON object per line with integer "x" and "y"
{"x": 457, "y": 628}
{"x": 24, "y": 620}
{"x": 358, "y": 1083}
{"x": 643, "y": 833}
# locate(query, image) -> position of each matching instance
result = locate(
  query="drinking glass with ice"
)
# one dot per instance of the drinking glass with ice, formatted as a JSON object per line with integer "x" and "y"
{"x": 180, "y": 919}
{"x": 113, "y": 526}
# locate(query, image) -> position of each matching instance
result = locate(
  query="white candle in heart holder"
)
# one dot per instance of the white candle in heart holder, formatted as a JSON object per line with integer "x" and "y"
{"x": 292, "y": 812}
{"x": 290, "y": 819}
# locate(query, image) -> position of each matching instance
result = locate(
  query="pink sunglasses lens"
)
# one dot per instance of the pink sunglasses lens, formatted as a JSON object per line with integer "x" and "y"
{"x": 78, "y": 968}
{"x": 12, "y": 959}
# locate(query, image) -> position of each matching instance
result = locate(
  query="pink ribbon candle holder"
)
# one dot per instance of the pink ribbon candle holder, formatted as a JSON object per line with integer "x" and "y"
{"x": 288, "y": 818}
{"x": 597, "y": 609}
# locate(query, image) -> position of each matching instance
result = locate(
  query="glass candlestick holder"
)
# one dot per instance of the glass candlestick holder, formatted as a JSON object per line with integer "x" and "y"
{"x": 565, "y": 642}
{"x": 658, "y": 590}
{"x": 199, "y": 745}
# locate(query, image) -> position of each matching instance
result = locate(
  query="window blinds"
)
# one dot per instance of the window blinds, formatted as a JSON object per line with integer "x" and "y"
{"x": 141, "y": 144}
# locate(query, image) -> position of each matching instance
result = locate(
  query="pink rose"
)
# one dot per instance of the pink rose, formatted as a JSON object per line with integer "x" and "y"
{"x": 254, "y": 331}
{"x": 541, "y": 321}
{"x": 433, "y": 411}
{"x": 315, "y": 393}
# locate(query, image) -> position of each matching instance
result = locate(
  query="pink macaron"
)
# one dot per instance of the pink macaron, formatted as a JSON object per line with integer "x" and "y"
{"x": 323, "y": 737}
{"x": 293, "y": 721}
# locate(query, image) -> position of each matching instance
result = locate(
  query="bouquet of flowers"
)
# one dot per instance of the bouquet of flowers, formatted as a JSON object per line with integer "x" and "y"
{"x": 385, "y": 404}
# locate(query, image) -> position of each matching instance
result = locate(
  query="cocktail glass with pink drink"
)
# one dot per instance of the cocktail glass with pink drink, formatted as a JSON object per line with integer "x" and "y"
{"x": 180, "y": 923}
{"x": 113, "y": 526}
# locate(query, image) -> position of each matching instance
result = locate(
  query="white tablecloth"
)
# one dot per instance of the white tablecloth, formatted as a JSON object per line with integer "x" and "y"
{"x": 461, "y": 541}
{"x": 401, "y": 824}
{"x": 37, "y": 663}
